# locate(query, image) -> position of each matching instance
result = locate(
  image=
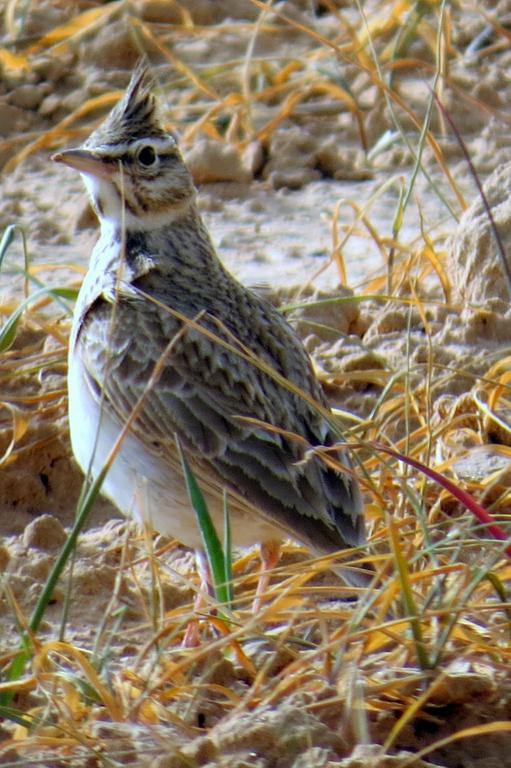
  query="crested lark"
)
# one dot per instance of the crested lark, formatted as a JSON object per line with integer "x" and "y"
{"x": 153, "y": 266}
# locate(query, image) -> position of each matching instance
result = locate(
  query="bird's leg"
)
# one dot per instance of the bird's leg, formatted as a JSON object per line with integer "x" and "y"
{"x": 270, "y": 554}
{"x": 192, "y": 638}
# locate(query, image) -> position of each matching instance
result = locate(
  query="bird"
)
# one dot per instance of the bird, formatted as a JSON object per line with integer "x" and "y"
{"x": 167, "y": 341}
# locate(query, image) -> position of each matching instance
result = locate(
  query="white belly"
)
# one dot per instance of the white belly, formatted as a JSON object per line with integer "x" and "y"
{"x": 142, "y": 484}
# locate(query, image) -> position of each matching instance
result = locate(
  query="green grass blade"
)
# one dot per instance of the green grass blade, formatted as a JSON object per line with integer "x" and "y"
{"x": 14, "y": 716}
{"x": 407, "y": 595}
{"x": 212, "y": 545}
{"x": 84, "y": 507}
{"x": 8, "y": 332}
{"x": 227, "y": 550}
{"x": 5, "y": 242}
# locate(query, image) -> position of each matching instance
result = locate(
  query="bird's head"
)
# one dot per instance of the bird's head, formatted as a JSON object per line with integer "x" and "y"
{"x": 131, "y": 166}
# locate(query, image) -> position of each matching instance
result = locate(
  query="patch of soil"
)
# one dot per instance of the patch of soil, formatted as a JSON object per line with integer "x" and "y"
{"x": 276, "y": 203}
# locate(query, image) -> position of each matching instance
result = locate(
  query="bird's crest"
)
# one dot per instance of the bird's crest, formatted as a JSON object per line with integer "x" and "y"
{"x": 134, "y": 117}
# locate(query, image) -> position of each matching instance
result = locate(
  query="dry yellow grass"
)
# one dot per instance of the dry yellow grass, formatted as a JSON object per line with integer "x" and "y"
{"x": 369, "y": 677}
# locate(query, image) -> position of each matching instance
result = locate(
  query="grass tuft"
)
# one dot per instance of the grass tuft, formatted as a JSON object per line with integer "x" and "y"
{"x": 431, "y": 635}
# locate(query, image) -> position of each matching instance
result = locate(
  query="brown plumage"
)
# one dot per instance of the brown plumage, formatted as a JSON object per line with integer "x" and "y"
{"x": 153, "y": 266}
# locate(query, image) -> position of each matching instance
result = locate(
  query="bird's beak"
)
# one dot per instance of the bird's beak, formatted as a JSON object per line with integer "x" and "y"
{"x": 87, "y": 162}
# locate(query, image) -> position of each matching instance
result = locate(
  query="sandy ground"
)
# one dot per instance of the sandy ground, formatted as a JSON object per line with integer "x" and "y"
{"x": 270, "y": 207}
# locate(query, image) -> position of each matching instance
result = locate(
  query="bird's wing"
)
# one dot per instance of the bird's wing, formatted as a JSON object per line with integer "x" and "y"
{"x": 206, "y": 394}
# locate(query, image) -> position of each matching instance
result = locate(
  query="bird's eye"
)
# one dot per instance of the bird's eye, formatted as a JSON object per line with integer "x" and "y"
{"x": 147, "y": 156}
